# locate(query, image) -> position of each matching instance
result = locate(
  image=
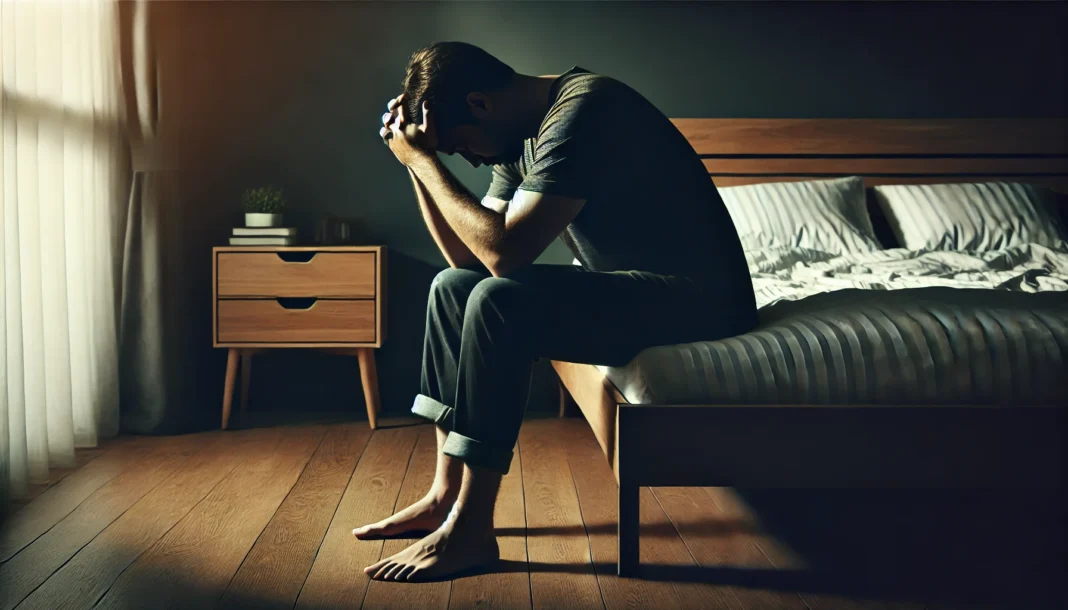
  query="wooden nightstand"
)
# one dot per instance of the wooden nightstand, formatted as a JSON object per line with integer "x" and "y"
{"x": 329, "y": 298}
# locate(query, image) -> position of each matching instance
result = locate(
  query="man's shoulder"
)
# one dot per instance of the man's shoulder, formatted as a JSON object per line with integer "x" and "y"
{"x": 584, "y": 100}
{"x": 581, "y": 84}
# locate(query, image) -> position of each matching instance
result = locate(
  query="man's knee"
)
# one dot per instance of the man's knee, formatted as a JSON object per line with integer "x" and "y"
{"x": 455, "y": 282}
{"x": 450, "y": 277}
{"x": 501, "y": 296}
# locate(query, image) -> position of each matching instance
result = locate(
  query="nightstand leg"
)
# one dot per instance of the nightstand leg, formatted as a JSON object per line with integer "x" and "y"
{"x": 369, "y": 377}
{"x": 246, "y": 377}
{"x": 228, "y": 392}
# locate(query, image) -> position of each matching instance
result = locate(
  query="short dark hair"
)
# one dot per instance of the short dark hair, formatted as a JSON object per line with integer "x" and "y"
{"x": 442, "y": 75}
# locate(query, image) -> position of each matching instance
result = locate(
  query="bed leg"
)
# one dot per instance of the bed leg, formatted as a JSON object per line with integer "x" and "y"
{"x": 629, "y": 494}
{"x": 629, "y": 521}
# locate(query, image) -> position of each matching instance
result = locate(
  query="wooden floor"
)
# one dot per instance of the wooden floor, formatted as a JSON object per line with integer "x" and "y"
{"x": 262, "y": 518}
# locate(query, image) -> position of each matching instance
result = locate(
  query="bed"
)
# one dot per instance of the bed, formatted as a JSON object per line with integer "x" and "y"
{"x": 896, "y": 363}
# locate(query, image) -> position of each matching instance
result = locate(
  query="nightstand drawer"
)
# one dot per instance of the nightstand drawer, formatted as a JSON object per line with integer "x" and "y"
{"x": 296, "y": 274}
{"x": 295, "y": 321}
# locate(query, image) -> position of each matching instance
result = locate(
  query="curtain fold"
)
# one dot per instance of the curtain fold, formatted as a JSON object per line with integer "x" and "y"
{"x": 63, "y": 180}
{"x": 165, "y": 327}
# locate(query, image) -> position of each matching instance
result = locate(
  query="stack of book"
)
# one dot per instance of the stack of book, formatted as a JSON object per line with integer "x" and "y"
{"x": 264, "y": 236}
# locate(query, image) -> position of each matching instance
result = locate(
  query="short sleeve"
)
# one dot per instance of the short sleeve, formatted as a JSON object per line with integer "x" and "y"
{"x": 506, "y": 179}
{"x": 560, "y": 162}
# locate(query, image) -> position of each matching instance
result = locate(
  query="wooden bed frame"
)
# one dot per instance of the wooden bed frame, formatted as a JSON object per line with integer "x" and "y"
{"x": 824, "y": 446}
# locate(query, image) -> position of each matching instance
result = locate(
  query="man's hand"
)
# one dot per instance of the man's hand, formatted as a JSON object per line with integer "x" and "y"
{"x": 409, "y": 143}
{"x": 393, "y": 108}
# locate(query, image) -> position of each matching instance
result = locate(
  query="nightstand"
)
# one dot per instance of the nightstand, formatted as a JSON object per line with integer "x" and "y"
{"x": 329, "y": 298}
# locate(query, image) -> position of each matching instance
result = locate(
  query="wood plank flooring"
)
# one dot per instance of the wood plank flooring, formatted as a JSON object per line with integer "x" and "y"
{"x": 262, "y": 518}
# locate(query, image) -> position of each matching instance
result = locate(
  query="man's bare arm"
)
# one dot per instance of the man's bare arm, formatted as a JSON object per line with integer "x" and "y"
{"x": 452, "y": 247}
{"x": 503, "y": 236}
{"x": 459, "y": 208}
{"x": 503, "y": 240}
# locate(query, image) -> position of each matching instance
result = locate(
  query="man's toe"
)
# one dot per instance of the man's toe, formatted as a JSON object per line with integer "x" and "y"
{"x": 374, "y": 568}
{"x": 394, "y": 571}
{"x": 382, "y": 571}
{"x": 405, "y": 575}
{"x": 363, "y": 530}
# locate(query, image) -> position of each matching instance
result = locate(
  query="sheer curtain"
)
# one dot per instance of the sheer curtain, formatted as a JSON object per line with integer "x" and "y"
{"x": 63, "y": 182}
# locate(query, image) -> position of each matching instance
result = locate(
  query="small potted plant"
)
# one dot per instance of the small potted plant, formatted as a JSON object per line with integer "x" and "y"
{"x": 263, "y": 206}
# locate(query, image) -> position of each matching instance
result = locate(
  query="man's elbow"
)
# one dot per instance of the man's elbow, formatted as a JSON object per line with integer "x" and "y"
{"x": 500, "y": 268}
{"x": 504, "y": 265}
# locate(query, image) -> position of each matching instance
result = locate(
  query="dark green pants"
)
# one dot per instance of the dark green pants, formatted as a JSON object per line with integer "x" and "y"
{"x": 484, "y": 333}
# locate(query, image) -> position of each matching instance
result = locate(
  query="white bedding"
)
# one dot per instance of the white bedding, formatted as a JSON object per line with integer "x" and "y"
{"x": 920, "y": 342}
{"x": 792, "y": 273}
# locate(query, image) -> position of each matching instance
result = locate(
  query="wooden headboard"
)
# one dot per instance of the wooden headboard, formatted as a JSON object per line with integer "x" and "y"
{"x": 884, "y": 151}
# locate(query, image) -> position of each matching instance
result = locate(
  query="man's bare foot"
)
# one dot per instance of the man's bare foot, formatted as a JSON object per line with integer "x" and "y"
{"x": 426, "y": 515}
{"x": 452, "y": 548}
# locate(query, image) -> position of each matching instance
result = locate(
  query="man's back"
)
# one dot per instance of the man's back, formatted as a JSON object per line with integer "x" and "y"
{"x": 650, "y": 204}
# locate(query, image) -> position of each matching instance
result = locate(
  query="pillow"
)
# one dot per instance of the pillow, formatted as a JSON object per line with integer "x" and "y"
{"x": 971, "y": 216}
{"x": 827, "y": 215}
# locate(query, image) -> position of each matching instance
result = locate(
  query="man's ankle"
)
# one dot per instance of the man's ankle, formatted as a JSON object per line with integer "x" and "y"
{"x": 443, "y": 498}
{"x": 471, "y": 520}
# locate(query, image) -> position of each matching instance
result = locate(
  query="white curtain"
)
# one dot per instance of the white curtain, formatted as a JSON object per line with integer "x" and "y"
{"x": 63, "y": 184}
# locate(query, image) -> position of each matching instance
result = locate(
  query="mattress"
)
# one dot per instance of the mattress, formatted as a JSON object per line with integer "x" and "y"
{"x": 886, "y": 327}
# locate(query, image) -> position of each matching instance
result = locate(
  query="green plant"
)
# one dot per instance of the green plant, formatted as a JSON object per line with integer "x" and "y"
{"x": 263, "y": 200}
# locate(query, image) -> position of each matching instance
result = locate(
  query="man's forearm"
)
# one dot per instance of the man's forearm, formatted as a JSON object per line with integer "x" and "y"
{"x": 452, "y": 247}
{"x": 480, "y": 229}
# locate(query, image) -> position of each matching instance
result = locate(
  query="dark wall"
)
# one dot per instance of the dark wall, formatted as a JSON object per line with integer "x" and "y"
{"x": 291, "y": 92}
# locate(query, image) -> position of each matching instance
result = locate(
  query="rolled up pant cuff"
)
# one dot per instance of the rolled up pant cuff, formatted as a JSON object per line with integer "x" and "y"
{"x": 477, "y": 453}
{"x": 439, "y": 413}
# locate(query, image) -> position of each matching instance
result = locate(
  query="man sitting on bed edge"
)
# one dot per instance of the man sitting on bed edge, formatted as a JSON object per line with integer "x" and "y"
{"x": 578, "y": 156}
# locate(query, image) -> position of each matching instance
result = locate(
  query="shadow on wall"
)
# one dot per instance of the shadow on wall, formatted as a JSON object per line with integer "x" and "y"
{"x": 296, "y": 381}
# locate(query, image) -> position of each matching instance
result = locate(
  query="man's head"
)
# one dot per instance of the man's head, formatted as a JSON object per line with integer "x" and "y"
{"x": 466, "y": 89}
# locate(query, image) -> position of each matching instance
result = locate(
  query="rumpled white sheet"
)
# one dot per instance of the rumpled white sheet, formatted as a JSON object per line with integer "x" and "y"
{"x": 794, "y": 273}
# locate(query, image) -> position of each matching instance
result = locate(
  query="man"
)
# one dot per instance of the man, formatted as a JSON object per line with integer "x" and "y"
{"x": 578, "y": 156}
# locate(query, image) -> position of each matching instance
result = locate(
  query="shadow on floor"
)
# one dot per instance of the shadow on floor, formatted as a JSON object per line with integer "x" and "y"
{"x": 851, "y": 585}
{"x": 948, "y": 545}
{"x": 924, "y": 546}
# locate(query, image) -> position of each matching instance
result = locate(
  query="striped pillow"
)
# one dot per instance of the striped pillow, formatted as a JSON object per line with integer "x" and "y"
{"x": 827, "y": 215}
{"x": 971, "y": 216}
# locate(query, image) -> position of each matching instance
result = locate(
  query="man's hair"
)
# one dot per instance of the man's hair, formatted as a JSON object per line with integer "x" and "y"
{"x": 443, "y": 74}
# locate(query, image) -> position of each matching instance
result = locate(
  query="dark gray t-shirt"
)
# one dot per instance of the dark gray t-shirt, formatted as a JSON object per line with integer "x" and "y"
{"x": 650, "y": 204}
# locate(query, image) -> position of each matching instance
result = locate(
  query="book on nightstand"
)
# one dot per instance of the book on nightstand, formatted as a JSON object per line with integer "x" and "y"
{"x": 264, "y": 236}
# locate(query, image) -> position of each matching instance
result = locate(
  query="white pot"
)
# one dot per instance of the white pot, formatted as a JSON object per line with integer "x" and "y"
{"x": 262, "y": 220}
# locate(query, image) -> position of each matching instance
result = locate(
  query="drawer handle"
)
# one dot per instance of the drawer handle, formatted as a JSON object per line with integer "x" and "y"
{"x": 296, "y": 302}
{"x": 296, "y": 257}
